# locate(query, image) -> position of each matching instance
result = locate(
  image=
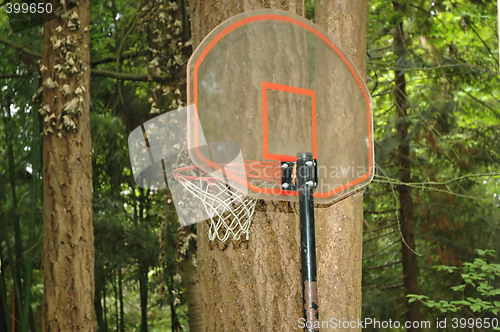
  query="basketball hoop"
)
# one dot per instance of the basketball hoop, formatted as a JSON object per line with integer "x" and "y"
{"x": 251, "y": 107}
{"x": 229, "y": 210}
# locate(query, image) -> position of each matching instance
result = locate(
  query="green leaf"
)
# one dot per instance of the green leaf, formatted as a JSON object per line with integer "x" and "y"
{"x": 458, "y": 288}
{"x": 461, "y": 302}
{"x": 416, "y": 297}
{"x": 488, "y": 252}
{"x": 494, "y": 292}
{"x": 446, "y": 268}
{"x": 481, "y": 252}
{"x": 480, "y": 261}
{"x": 430, "y": 304}
{"x": 475, "y": 307}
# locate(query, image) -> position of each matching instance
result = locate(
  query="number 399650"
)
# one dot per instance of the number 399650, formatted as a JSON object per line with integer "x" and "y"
{"x": 28, "y": 8}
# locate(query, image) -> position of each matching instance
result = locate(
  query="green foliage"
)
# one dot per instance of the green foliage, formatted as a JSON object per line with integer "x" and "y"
{"x": 451, "y": 70}
{"x": 478, "y": 293}
{"x": 310, "y": 9}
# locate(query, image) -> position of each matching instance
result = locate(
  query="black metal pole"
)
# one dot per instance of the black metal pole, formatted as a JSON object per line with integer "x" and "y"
{"x": 305, "y": 184}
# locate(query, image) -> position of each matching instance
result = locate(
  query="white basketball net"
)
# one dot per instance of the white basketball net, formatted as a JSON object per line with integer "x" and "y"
{"x": 230, "y": 212}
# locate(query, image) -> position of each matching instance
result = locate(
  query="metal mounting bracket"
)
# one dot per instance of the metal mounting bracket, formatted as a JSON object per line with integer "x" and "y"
{"x": 289, "y": 174}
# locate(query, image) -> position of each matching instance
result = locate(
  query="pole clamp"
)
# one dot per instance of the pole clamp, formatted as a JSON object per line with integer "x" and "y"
{"x": 289, "y": 174}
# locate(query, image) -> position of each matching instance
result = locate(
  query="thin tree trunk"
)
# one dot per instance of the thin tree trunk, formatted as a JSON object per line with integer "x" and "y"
{"x": 120, "y": 294}
{"x": 68, "y": 256}
{"x": 410, "y": 271}
{"x": 167, "y": 260}
{"x": 115, "y": 289}
{"x": 173, "y": 318}
{"x": 14, "y": 310}
{"x": 98, "y": 301}
{"x": 27, "y": 314}
{"x": 256, "y": 285}
{"x": 192, "y": 291}
{"x": 18, "y": 246}
{"x": 3, "y": 293}
{"x": 17, "y": 255}
{"x": 142, "y": 265}
{"x": 16, "y": 302}
{"x": 104, "y": 305}
{"x": 143, "y": 290}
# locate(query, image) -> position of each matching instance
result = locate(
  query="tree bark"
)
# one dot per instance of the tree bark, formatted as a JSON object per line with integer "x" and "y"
{"x": 409, "y": 259}
{"x": 68, "y": 255}
{"x": 339, "y": 229}
{"x": 256, "y": 285}
{"x": 191, "y": 283}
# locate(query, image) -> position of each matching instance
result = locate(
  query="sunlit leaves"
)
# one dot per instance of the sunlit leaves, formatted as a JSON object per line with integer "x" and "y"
{"x": 479, "y": 278}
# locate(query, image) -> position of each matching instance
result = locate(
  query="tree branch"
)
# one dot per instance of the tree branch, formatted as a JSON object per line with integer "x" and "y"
{"x": 379, "y": 236}
{"x": 7, "y": 76}
{"x": 423, "y": 185}
{"x": 21, "y": 48}
{"x": 97, "y": 72}
{"x": 482, "y": 103}
{"x": 381, "y": 228}
{"x": 125, "y": 55}
{"x": 129, "y": 77}
{"x": 381, "y": 250}
{"x": 383, "y": 266}
{"x": 381, "y": 212}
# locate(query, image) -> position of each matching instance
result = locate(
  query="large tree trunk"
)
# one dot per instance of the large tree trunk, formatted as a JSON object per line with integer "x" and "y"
{"x": 68, "y": 255}
{"x": 256, "y": 285}
{"x": 410, "y": 271}
{"x": 339, "y": 230}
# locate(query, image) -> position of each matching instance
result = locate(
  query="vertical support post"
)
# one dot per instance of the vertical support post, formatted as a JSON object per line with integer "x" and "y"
{"x": 306, "y": 175}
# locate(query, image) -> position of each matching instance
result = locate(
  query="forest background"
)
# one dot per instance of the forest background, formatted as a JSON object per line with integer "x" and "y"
{"x": 433, "y": 73}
